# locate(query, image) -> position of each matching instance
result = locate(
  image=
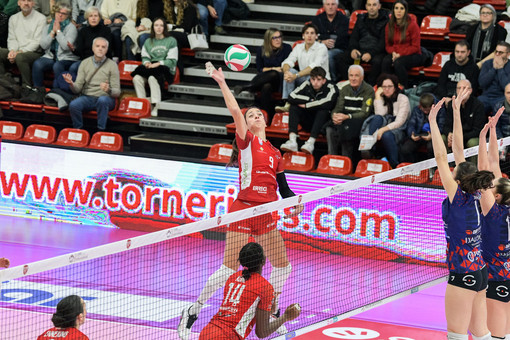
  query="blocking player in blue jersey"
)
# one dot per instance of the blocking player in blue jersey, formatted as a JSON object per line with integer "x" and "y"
{"x": 495, "y": 203}
{"x": 465, "y": 306}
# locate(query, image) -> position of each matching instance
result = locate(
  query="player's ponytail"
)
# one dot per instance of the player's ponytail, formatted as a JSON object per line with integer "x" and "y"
{"x": 252, "y": 258}
{"x": 503, "y": 188}
{"x": 67, "y": 311}
{"x": 479, "y": 180}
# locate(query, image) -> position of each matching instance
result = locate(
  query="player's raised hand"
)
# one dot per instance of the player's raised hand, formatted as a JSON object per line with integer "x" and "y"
{"x": 435, "y": 109}
{"x": 495, "y": 118}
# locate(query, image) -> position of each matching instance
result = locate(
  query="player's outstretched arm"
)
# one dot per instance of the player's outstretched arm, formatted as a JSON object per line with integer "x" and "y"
{"x": 230, "y": 100}
{"x": 264, "y": 327}
{"x": 449, "y": 184}
{"x": 458, "y": 135}
{"x": 483, "y": 157}
{"x": 493, "y": 144}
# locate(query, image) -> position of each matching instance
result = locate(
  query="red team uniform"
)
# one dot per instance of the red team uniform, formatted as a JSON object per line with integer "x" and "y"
{"x": 236, "y": 317}
{"x": 259, "y": 162}
{"x": 56, "y": 333}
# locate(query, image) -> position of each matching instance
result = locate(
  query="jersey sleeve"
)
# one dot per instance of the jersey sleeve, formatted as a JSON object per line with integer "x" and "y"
{"x": 266, "y": 297}
{"x": 280, "y": 167}
{"x": 243, "y": 144}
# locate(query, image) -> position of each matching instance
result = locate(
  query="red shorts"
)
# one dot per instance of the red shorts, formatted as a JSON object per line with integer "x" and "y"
{"x": 212, "y": 331}
{"x": 258, "y": 225}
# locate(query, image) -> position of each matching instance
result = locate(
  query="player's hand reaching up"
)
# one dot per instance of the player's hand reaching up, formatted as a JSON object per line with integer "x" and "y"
{"x": 216, "y": 74}
{"x": 435, "y": 109}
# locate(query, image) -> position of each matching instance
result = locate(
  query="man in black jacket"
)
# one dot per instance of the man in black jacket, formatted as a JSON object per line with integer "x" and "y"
{"x": 366, "y": 44}
{"x": 472, "y": 116}
{"x": 333, "y": 32}
{"x": 462, "y": 66}
{"x": 310, "y": 106}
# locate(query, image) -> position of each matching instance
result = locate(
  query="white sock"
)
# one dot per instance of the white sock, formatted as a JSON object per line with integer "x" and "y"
{"x": 485, "y": 337}
{"x": 311, "y": 140}
{"x": 293, "y": 136}
{"x": 215, "y": 282}
{"x": 278, "y": 277}
{"x": 456, "y": 336}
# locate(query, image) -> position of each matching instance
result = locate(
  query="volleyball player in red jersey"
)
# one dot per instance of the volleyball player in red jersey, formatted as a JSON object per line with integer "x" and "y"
{"x": 68, "y": 318}
{"x": 465, "y": 306}
{"x": 260, "y": 174}
{"x": 247, "y": 301}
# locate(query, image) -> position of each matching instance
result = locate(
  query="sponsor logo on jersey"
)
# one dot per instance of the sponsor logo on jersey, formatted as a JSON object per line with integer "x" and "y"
{"x": 502, "y": 291}
{"x": 473, "y": 255}
{"x": 260, "y": 189}
{"x": 469, "y": 280}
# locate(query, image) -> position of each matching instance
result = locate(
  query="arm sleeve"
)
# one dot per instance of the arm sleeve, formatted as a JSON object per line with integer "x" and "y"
{"x": 413, "y": 40}
{"x": 69, "y": 35}
{"x": 355, "y": 36}
{"x": 283, "y": 186}
{"x": 368, "y": 102}
{"x": 300, "y": 94}
{"x": 292, "y": 58}
{"x": 115, "y": 81}
{"x": 401, "y": 112}
{"x": 326, "y": 102}
{"x": 46, "y": 38}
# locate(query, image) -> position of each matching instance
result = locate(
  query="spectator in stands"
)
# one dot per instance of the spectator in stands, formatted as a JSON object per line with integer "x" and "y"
{"x": 333, "y": 27}
{"x": 308, "y": 55}
{"x": 503, "y": 125}
{"x": 25, "y": 31}
{"x": 462, "y": 66}
{"x": 115, "y": 13}
{"x": 354, "y": 105}
{"x": 270, "y": 57}
{"x": 418, "y": 130}
{"x": 183, "y": 16}
{"x": 214, "y": 8}
{"x": 67, "y": 319}
{"x": 472, "y": 116}
{"x": 402, "y": 43}
{"x": 98, "y": 84}
{"x": 86, "y": 35}
{"x": 79, "y": 10}
{"x": 45, "y": 7}
{"x": 57, "y": 38}
{"x": 311, "y": 104}
{"x": 484, "y": 36}
{"x": 4, "y": 262}
{"x": 133, "y": 30}
{"x": 391, "y": 109}
{"x": 494, "y": 76}
{"x": 366, "y": 43}
{"x": 9, "y": 7}
{"x": 159, "y": 61}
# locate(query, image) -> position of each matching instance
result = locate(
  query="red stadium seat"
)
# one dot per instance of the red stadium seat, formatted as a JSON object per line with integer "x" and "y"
{"x": 37, "y": 133}
{"x": 354, "y": 18}
{"x": 321, "y": 10}
{"x": 369, "y": 167}
{"x": 499, "y": 5}
{"x": 11, "y": 130}
{"x": 505, "y": 25}
{"x": 5, "y": 104}
{"x": 73, "y": 137}
{"x": 436, "y": 179}
{"x": 279, "y": 125}
{"x": 125, "y": 69}
{"x": 106, "y": 141}
{"x": 18, "y": 106}
{"x": 220, "y": 153}
{"x": 131, "y": 109}
{"x": 435, "y": 27}
{"x": 437, "y": 64}
{"x": 418, "y": 178}
{"x": 298, "y": 161}
{"x": 335, "y": 165}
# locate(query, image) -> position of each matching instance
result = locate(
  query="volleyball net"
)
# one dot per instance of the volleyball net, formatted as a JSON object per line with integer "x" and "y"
{"x": 357, "y": 244}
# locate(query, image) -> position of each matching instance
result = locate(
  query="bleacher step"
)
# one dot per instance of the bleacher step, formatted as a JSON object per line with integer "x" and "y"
{"x": 175, "y": 145}
{"x": 283, "y": 9}
{"x": 204, "y": 90}
{"x": 188, "y": 125}
{"x": 264, "y": 24}
{"x": 246, "y": 41}
{"x": 200, "y": 107}
{"x": 199, "y": 71}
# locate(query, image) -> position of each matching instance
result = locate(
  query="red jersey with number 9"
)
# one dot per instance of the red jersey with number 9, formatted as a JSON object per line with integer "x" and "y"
{"x": 241, "y": 298}
{"x": 259, "y": 162}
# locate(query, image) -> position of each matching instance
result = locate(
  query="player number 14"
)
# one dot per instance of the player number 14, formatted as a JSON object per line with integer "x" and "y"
{"x": 234, "y": 294}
